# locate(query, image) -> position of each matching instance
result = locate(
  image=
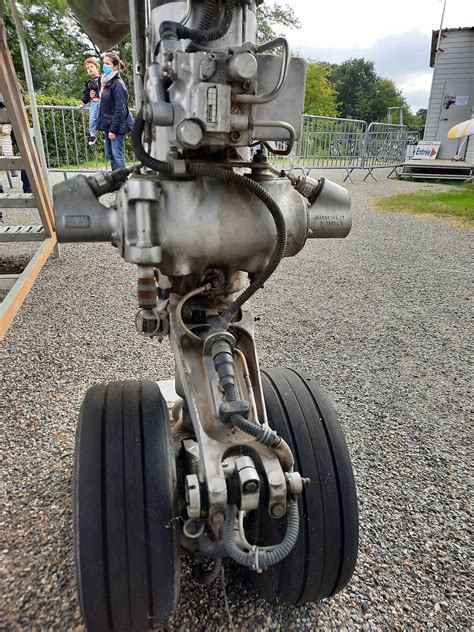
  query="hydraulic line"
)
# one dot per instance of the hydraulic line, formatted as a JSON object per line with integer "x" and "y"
{"x": 261, "y": 558}
{"x": 248, "y": 382}
{"x": 176, "y": 31}
{"x": 222, "y": 322}
{"x": 205, "y": 22}
{"x": 152, "y": 163}
{"x": 179, "y": 309}
{"x": 225, "y": 368}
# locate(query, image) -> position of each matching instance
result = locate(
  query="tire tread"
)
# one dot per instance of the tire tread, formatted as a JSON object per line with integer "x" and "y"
{"x": 324, "y": 556}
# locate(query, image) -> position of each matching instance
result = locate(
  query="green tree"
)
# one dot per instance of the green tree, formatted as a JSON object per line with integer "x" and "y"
{"x": 387, "y": 95}
{"x": 271, "y": 16}
{"x": 367, "y": 96}
{"x": 356, "y": 82}
{"x": 56, "y": 46}
{"x": 320, "y": 95}
{"x": 421, "y": 115}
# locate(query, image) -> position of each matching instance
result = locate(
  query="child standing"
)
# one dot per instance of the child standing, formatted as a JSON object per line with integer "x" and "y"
{"x": 91, "y": 95}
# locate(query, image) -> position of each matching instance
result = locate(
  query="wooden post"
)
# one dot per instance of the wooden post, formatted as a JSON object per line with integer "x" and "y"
{"x": 37, "y": 175}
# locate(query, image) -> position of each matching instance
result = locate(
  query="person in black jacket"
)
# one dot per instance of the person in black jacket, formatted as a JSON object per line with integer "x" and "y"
{"x": 91, "y": 95}
{"x": 114, "y": 116}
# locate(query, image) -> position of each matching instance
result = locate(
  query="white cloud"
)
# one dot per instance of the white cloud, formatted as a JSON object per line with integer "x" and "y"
{"x": 349, "y": 24}
{"x": 395, "y": 35}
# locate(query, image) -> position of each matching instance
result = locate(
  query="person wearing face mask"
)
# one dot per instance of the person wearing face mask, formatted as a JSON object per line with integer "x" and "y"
{"x": 114, "y": 116}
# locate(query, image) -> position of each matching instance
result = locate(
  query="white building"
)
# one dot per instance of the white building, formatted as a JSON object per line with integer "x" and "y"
{"x": 452, "y": 90}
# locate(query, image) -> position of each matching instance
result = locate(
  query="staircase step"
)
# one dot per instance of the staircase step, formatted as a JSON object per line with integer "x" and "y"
{"x": 7, "y": 281}
{"x": 10, "y": 164}
{"x": 17, "y": 200}
{"x": 22, "y": 233}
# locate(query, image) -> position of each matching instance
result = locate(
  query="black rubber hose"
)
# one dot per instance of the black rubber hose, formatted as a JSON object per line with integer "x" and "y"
{"x": 222, "y": 322}
{"x": 217, "y": 173}
{"x": 175, "y": 30}
{"x": 152, "y": 163}
{"x": 205, "y": 21}
{"x": 263, "y": 434}
{"x": 206, "y": 578}
{"x": 213, "y": 550}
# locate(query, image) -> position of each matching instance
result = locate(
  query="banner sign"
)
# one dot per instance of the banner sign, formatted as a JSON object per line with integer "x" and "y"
{"x": 426, "y": 150}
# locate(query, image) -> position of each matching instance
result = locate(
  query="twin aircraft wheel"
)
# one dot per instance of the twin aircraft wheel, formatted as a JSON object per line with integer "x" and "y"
{"x": 324, "y": 556}
{"x": 126, "y": 532}
{"x": 126, "y": 503}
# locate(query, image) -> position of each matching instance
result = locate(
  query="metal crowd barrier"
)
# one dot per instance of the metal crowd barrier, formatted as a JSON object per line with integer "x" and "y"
{"x": 349, "y": 144}
{"x": 330, "y": 143}
{"x": 385, "y": 146}
{"x": 65, "y": 131}
{"x": 325, "y": 143}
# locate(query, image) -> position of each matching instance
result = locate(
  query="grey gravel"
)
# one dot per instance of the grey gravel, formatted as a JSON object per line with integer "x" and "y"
{"x": 381, "y": 319}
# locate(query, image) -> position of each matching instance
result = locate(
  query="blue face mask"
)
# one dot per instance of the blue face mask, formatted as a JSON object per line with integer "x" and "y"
{"x": 107, "y": 68}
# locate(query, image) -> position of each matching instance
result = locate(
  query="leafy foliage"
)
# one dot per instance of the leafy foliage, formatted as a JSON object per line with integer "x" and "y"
{"x": 321, "y": 95}
{"x": 356, "y": 83}
{"x": 365, "y": 95}
{"x": 56, "y": 45}
{"x": 270, "y": 16}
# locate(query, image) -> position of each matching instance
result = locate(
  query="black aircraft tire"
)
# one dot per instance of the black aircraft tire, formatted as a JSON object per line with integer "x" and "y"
{"x": 126, "y": 535}
{"x": 324, "y": 557}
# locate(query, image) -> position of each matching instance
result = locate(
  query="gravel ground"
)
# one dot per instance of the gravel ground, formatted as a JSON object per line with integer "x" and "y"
{"x": 380, "y": 318}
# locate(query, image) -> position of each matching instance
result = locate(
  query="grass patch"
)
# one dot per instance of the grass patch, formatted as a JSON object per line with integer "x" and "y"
{"x": 456, "y": 204}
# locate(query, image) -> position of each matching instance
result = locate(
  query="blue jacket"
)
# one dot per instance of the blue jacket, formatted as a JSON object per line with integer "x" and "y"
{"x": 114, "y": 115}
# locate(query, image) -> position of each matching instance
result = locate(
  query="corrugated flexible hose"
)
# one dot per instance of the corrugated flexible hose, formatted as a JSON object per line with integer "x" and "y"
{"x": 261, "y": 558}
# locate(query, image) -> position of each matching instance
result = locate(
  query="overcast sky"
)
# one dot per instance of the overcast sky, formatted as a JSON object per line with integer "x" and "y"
{"x": 395, "y": 34}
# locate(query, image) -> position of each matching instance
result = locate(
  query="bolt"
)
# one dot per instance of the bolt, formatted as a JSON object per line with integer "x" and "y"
{"x": 250, "y": 487}
{"x": 275, "y": 479}
{"x": 278, "y": 510}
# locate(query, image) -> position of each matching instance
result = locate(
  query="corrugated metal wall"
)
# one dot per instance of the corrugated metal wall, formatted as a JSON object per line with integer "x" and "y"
{"x": 455, "y": 63}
